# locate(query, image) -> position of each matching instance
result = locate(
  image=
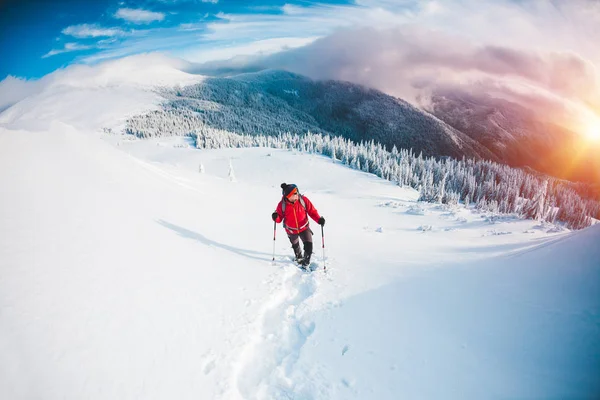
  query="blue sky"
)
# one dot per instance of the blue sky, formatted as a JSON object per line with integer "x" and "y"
{"x": 41, "y": 36}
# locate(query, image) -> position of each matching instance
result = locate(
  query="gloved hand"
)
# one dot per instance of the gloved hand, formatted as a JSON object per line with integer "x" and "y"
{"x": 274, "y": 216}
{"x": 321, "y": 221}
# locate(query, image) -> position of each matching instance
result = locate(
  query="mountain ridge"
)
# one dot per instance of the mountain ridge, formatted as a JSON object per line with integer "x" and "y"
{"x": 271, "y": 102}
{"x": 516, "y": 136}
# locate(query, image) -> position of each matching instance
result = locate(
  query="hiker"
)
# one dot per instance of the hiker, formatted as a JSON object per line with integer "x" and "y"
{"x": 293, "y": 210}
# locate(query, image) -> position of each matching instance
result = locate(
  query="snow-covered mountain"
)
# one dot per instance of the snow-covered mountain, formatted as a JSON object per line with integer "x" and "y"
{"x": 270, "y": 102}
{"x": 516, "y": 136}
{"x": 125, "y": 273}
{"x": 452, "y": 124}
{"x": 124, "y": 87}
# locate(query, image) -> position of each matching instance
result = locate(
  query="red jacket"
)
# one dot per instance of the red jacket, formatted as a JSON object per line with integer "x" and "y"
{"x": 295, "y": 219}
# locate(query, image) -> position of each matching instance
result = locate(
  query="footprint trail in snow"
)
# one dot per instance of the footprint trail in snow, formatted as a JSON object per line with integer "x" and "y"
{"x": 269, "y": 358}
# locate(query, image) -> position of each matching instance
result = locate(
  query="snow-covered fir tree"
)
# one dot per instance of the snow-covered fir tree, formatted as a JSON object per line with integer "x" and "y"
{"x": 231, "y": 173}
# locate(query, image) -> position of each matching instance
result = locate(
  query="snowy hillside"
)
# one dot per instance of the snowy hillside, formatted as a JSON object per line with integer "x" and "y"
{"x": 123, "y": 88}
{"x": 272, "y": 102}
{"x": 517, "y": 137}
{"x": 133, "y": 275}
{"x": 125, "y": 273}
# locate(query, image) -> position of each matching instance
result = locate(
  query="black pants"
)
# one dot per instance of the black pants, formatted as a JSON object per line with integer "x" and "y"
{"x": 306, "y": 237}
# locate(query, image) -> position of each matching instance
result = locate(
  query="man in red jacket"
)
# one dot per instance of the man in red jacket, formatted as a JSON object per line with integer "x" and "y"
{"x": 293, "y": 210}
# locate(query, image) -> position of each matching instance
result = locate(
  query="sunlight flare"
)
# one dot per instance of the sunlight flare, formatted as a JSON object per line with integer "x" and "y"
{"x": 592, "y": 130}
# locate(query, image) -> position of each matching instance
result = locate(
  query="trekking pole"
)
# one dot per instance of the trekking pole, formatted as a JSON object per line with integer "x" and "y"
{"x": 323, "y": 241}
{"x": 274, "y": 232}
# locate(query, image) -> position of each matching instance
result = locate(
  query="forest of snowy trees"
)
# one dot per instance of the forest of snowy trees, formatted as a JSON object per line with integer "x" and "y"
{"x": 487, "y": 185}
{"x": 273, "y": 102}
{"x": 223, "y": 104}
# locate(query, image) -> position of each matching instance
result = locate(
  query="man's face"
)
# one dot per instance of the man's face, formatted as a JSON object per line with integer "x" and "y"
{"x": 293, "y": 196}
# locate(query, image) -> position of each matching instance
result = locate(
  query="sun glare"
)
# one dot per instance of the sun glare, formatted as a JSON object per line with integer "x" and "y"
{"x": 592, "y": 132}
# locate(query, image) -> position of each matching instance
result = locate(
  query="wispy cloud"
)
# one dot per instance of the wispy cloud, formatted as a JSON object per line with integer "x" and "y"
{"x": 209, "y": 38}
{"x": 68, "y": 47}
{"x": 106, "y": 42}
{"x": 139, "y": 16}
{"x": 191, "y": 27}
{"x": 265, "y": 29}
{"x": 254, "y": 48}
{"x": 91, "y": 30}
{"x": 142, "y": 41}
{"x": 315, "y": 20}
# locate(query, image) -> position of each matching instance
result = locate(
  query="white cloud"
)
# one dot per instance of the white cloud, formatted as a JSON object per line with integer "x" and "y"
{"x": 91, "y": 30}
{"x": 191, "y": 27}
{"x": 142, "y": 41}
{"x": 259, "y": 47}
{"x": 316, "y": 20}
{"x": 67, "y": 48}
{"x": 106, "y": 42}
{"x": 139, "y": 16}
{"x": 291, "y": 9}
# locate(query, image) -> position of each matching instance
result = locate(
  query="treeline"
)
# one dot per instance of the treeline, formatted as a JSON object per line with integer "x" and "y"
{"x": 487, "y": 185}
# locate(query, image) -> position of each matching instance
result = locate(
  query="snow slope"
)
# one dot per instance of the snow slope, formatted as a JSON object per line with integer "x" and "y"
{"x": 126, "y": 273}
{"x": 91, "y": 97}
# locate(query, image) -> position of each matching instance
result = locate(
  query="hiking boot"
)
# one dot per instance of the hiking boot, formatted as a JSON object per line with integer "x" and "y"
{"x": 298, "y": 253}
{"x": 308, "y": 246}
{"x": 306, "y": 260}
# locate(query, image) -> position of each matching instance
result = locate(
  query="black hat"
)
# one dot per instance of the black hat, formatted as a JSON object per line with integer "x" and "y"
{"x": 287, "y": 190}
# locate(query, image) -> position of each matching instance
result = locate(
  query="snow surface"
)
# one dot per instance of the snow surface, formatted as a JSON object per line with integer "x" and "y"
{"x": 127, "y": 273}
